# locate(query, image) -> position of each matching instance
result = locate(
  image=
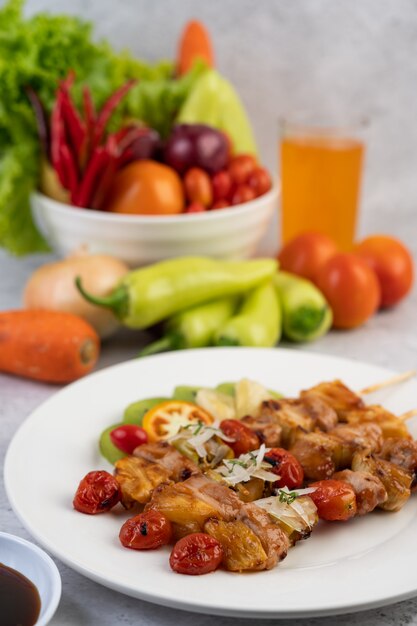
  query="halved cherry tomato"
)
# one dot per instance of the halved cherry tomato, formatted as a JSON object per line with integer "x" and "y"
{"x": 164, "y": 419}
{"x": 334, "y": 499}
{"x": 128, "y": 437}
{"x": 260, "y": 181}
{"x": 197, "y": 185}
{"x": 243, "y": 193}
{"x": 241, "y": 167}
{"x": 196, "y": 554}
{"x": 392, "y": 263}
{"x": 305, "y": 254}
{"x": 287, "y": 467}
{"x": 244, "y": 438}
{"x": 351, "y": 288}
{"x": 146, "y": 531}
{"x": 98, "y": 492}
{"x": 222, "y": 185}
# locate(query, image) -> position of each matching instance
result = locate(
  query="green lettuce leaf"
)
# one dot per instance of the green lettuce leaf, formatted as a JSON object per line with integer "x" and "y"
{"x": 40, "y": 50}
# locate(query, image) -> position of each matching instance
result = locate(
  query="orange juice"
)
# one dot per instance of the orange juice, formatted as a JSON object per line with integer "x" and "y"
{"x": 320, "y": 176}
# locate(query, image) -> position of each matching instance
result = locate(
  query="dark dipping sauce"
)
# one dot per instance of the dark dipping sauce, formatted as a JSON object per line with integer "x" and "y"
{"x": 20, "y": 603}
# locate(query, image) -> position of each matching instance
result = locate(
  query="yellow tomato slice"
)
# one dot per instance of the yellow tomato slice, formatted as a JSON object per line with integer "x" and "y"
{"x": 165, "y": 419}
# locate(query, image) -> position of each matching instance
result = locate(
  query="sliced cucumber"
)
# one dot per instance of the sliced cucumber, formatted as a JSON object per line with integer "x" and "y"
{"x": 107, "y": 447}
{"x": 135, "y": 412}
{"x": 186, "y": 393}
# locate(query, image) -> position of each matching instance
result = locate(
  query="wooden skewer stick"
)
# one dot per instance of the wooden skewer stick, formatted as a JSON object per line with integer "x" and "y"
{"x": 395, "y": 380}
{"x": 406, "y": 416}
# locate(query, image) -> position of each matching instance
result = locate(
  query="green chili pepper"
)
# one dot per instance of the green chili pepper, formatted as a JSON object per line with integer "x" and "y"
{"x": 193, "y": 328}
{"x": 151, "y": 294}
{"x": 306, "y": 314}
{"x": 258, "y": 322}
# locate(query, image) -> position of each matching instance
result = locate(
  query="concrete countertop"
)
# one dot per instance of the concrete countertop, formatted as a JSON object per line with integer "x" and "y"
{"x": 388, "y": 340}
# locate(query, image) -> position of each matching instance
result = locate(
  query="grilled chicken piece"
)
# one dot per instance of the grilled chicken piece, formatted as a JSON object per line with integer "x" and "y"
{"x": 316, "y": 453}
{"x": 290, "y": 415}
{"x": 179, "y": 466}
{"x": 199, "y": 499}
{"x": 323, "y": 415}
{"x": 138, "y": 478}
{"x": 369, "y": 490}
{"x": 266, "y": 427}
{"x": 249, "y": 557}
{"x": 401, "y": 452}
{"x": 397, "y": 481}
{"x": 389, "y": 423}
{"x": 353, "y": 438}
{"x": 336, "y": 395}
{"x": 151, "y": 465}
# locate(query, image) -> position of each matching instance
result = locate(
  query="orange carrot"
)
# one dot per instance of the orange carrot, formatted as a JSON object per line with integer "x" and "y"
{"x": 50, "y": 346}
{"x": 194, "y": 44}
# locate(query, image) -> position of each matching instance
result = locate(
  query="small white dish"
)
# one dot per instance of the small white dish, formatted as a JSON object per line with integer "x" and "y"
{"x": 229, "y": 233}
{"x": 38, "y": 567}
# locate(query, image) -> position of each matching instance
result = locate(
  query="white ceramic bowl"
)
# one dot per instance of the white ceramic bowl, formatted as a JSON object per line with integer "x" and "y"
{"x": 36, "y": 565}
{"x": 140, "y": 239}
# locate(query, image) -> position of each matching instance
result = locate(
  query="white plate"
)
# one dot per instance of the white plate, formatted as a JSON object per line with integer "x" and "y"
{"x": 365, "y": 563}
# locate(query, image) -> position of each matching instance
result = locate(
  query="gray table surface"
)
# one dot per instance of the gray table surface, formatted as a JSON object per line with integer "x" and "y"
{"x": 389, "y": 340}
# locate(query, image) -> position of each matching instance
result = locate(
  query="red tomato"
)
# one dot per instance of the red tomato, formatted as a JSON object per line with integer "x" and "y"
{"x": 146, "y": 531}
{"x": 260, "y": 181}
{"x": 241, "y": 167}
{"x": 98, "y": 492}
{"x": 334, "y": 499}
{"x": 305, "y": 254}
{"x": 196, "y": 554}
{"x": 392, "y": 263}
{"x": 220, "y": 204}
{"x": 128, "y": 437}
{"x": 146, "y": 188}
{"x": 197, "y": 185}
{"x": 242, "y": 194}
{"x": 245, "y": 439}
{"x": 351, "y": 288}
{"x": 195, "y": 207}
{"x": 222, "y": 185}
{"x": 285, "y": 464}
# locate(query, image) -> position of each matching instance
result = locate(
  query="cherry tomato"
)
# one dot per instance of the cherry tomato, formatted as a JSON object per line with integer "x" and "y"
{"x": 351, "y": 288}
{"x": 222, "y": 185}
{"x": 195, "y": 207}
{"x": 245, "y": 439}
{"x": 196, "y": 554}
{"x": 163, "y": 420}
{"x": 305, "y": 254}
{"x": 392, "y": 263}
{"x": 128, "y": 437}
{"x": 197, "y": 185}
{"x": 260, "y": 181}
{"x": 242, "y": 194}
{"x": 146, "y": 531}
{"x": 285, "y": 464}
{"x": 241, "y": 167}
{"x": 334, "y": 499}
{"x": 98, "y": 492}
{"x": 146, "y": 188}
{"x": 220, "y": 204}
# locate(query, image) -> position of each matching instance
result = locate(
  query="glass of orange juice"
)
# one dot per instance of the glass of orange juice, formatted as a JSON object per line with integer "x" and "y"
{"x": 321, "y": 170}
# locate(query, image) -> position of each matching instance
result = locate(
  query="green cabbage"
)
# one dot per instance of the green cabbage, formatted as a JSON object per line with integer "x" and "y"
{"x": 38, "y": 51}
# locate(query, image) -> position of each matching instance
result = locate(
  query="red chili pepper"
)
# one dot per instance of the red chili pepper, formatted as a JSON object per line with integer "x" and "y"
{"x": 70, "y": 169}
{"x": 105, "y": 178}
{"x": 41, "y": 120}
{"x": 96, "y": 164}
{"x": 108, "y": 109}
{"x": 89, "y": 109}
{"x": 76, "y": 130}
